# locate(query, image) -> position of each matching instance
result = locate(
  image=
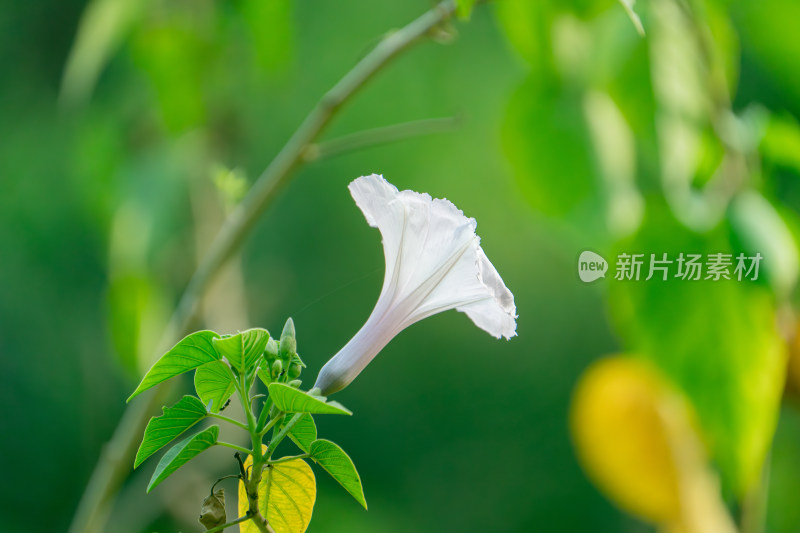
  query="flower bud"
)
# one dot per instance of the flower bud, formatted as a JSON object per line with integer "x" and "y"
{"x": 271, "y": 351}
{"x": 277, "y": 368}
{"x": 294, "y": 371}
{"x": 295, "y": 383}
{"x": 288, "y": 341}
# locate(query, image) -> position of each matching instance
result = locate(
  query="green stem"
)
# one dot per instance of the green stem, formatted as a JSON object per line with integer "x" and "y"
{"x": 280, "y": 436}
{"x": 114, "y": 463}
{"x": 244, "y": 398}
{"x": 235, "y": 447}
{"x": 229, "y": 524}
{"x": 271, "y": 423}
{"x": 264, "y": 415}
{"x": 288, "y": 458}
{"x": 379, "y": 136}
{"x": 254, "y": 398}
{"x": 253, "y": 481}
{"x": 230, "y": 421}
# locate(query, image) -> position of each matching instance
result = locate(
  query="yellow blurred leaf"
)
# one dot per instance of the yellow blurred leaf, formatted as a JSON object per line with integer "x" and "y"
{"x": 636, "y": 437}
{"x": 286, "y": 497}
{"x": 621, "y": 440}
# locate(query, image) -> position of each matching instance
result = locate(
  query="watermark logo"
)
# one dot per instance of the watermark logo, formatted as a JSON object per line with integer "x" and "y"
{"x": 591, "y": 266}
{"x": 682, "y": 266}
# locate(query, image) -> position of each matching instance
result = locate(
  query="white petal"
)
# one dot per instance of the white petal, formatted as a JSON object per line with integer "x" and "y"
{"x": 495, "y": 314}
{"x": 435, "y": 232}
{"x": 376, "y": 198}
{"x": 372, "y": 194}
{"x": 474, "y": 287}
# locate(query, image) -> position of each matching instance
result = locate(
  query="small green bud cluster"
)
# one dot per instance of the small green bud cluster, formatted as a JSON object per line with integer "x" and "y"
{"x": 283, "y": 363}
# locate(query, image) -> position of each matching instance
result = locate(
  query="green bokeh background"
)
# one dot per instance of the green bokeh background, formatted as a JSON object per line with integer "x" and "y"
{"x": 453, "y": 430}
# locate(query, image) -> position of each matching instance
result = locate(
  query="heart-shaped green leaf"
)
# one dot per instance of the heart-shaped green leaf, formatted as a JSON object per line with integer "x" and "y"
{"x": 183, "y": 452}
{"x": 214, "y": 384}
{"x": 192, "y": 351}
{"x": 161, "y": 430}
{"x": 291, "y": 400}
{"x": 243, "y": 349}
{"x": 338, "y": 464}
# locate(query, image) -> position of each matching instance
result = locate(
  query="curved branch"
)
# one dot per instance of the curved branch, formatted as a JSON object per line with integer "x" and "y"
{"x": 378, "y": 136}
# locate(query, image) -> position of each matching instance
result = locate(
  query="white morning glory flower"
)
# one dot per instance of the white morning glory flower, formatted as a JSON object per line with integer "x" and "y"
{"x": 434, "y": 263}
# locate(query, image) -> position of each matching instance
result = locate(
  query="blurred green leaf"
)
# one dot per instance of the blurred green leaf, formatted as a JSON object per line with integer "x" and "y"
{"x": 338, "y": 464}
{"x": 243, "y": 349}
{"x": 760, "y": 229}
{"x": 465, "y": 7}
{"x": 548, "y": 143}
{"x": 781, "y": 141}
{"x": 181, "y": 453}
{"x": 103, "y": 26}
{"x": 191, "y": 352}
{"x": 214, "y": 384}
{"x": 615, "y": 152}
{"x": 304, "y": 432}
{"x": 291, "y": 400}
{"x": 716, "y": 340}
{"x": 129, "y": 299}
{"x": 691, "y": 87}
{"x": 723, "y": 40}
{"x": 176, "y": 55}
{"x": 527, "y": 27}
{"x": 637, "y": 22}
{"x": 783, "y": 513}
{"x": 231, "y": 184}
{"x": 271, "y": 29}
{"x": 161, "y": 430}
{"x": 768, "y": 30}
